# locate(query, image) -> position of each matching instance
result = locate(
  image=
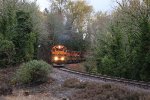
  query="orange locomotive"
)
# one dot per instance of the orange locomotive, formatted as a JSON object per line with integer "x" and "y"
{"x": 60, "y": 55}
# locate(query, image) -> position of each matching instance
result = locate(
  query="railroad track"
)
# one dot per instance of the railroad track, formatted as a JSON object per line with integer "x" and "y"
{"x": 140, "y": 84}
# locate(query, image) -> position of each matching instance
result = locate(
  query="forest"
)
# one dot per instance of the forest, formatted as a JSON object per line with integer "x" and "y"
{"x": 118, "y": 42}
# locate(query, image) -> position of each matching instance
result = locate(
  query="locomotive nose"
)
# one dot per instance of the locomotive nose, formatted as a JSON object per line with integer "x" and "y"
{"x": 56, "y": 58}
{"x": 62, "y": 58}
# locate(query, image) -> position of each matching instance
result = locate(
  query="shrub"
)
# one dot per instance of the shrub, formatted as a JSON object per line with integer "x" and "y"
{"x": 7, "y": 51}
{"x": 33, "y": 72}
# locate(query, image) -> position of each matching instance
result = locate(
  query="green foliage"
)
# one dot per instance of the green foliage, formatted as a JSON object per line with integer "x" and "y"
{"x": 125, "y": 51}
{"x": 6, "y": 46}
{"x": 24, "y": 39}
{"x": 90, "y": 64}
{"x": 29, "y": 49}
{"x": 107, "y": 65}
{"x": 7, "y": 19}
{"x": 7, "y": 51}
{"x": 20, "y": 25}
{"x": 1, "y": 37}
{"x": 32, "y": 72}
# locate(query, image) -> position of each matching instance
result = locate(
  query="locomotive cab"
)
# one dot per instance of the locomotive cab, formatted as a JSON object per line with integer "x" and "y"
{"x": 59, "y": 55}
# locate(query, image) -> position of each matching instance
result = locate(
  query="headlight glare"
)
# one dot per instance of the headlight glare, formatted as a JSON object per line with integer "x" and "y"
{"x": 62, "y": 58}
{"x": 55, "y": 58}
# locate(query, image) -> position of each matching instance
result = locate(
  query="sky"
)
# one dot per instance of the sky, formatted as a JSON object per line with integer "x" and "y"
{"x": 102, "y": 5}
{"x": 98, "y": 5}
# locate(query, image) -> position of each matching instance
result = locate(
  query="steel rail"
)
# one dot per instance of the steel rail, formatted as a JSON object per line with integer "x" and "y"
{"x": 140, "y": 84}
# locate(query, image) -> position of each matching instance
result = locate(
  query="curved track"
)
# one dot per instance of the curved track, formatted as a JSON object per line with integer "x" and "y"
{"x": 140, "y": 84}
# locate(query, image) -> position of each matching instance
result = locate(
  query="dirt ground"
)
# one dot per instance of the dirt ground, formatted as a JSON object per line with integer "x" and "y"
{"x": 50, "y": 90}
{"x": 61, "y": 86}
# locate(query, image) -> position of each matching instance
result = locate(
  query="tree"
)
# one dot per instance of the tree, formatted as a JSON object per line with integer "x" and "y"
{"x": 24, "y": 39}
{"x": 78, "y": 13}
{"x": 63, "y": 21}
{"x": 138, "y": 13}
{"x": 7, "y": 22}
{"x": 19, "y": 27}
{"x": 121, "y": 40}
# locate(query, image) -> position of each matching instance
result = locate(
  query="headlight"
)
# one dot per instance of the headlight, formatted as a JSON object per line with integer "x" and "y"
{"x": 62, "y": 58}
{"x": 55, "y": 58}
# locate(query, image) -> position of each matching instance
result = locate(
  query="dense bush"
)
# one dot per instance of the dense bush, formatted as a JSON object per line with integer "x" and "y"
{"x": 7, "y": 50}
{"x": 33, "y": 72}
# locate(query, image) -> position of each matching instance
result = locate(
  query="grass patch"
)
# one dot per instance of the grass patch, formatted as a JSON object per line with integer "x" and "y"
{"x": 93, "y": 91}
{"x": 97, "y": 91}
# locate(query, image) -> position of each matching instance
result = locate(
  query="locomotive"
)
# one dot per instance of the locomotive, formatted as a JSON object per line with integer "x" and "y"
{"x": 60, "y": 55}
